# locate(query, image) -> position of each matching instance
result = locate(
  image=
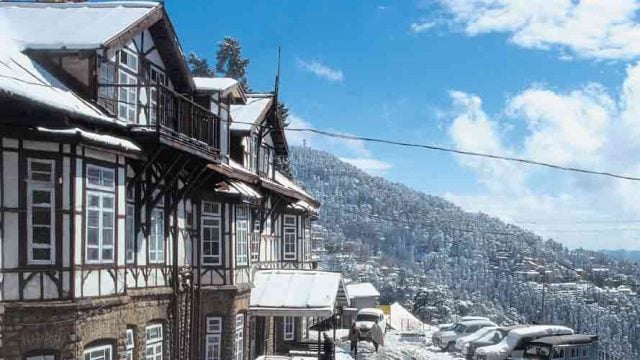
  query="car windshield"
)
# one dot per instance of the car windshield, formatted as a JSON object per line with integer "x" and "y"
{"x": 537, "y": 352}
{"x": 459, "y": 328}
{"x": 367, "y": 317}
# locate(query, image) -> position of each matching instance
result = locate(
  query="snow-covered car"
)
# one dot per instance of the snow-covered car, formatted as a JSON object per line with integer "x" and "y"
{"x": 446, "y": 340}
{"x": 462, "y": 342}
{"x": 366, "y": 318}
{"x": 489, "y": 338}
{"x": 449, "y": 326}
{"x": 513, "y": 344}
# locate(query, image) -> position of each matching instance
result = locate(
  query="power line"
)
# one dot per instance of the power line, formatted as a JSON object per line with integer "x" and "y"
{"x": 464, "y": 152}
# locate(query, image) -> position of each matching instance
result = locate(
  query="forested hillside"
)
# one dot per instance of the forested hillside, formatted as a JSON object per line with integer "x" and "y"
{"x": 431, "y": 255}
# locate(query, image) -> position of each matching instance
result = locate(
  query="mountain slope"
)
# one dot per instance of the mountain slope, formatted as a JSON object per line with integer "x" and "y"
{"x": 429, "y": 254}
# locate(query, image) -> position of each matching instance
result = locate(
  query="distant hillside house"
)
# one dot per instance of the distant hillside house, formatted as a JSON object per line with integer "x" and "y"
{"x": 363, "y": 295}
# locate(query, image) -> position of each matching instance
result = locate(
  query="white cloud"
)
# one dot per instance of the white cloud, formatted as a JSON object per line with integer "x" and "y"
{"x": 321, "y": 70}
{"x": 587, "y": 127}
{"x": 422, "y": 26}
{"x": 599, "y": 29}
{"x": 354, "y": 152}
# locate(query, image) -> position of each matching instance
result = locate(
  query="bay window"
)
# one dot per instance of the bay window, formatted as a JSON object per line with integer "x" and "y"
{"x": 242, "y": 234}
{"x": 127, "y": 81}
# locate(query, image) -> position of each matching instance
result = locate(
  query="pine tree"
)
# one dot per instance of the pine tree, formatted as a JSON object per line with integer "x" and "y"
{"x": 230, "y": 62}
{"x": 199, "y": 66}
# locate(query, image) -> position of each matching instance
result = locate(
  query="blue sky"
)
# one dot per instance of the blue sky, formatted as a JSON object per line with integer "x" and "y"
{"x": 553, "y": 80}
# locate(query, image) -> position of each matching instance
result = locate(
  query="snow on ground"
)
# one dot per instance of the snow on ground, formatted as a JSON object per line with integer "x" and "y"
{"x": 398, "y": 346}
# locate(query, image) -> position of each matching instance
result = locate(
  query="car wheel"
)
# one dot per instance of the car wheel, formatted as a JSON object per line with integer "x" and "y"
{"x": 451, "y": 347}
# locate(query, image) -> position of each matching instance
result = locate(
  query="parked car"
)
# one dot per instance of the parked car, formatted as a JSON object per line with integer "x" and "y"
{"x": 574, "y": 347}
{"x": 449, "y": 326}
{"x": 446, "y": 340}
{"x": 490, "y": 338}
{"x": 514, "y": 343}
{"x": 366, "y": 318}
{"x": 463, "y": 342}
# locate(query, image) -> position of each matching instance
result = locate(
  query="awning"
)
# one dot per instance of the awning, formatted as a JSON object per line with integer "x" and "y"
{"x": 235, "y": 187}
{"x": 295, "y": 293}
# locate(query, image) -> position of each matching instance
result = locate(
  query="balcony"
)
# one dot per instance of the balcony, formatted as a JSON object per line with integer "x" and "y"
{"x": 153, "y": 111}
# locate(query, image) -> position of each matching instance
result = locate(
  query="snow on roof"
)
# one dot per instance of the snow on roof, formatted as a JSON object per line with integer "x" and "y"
{"x": 245, "y": 116}
{"x": 239, "y": 188}
{"x": 103, "y": 139}
{"x": 214, "y": 83}
{"x": 504, "y": 347}
{"x": 24, "y": 78}
{"x": 294, "y": 293}
{"x": 361, "y": 290}
{"x": 401, "y": 319}
{"x": 283, "y": 180}
{"x": 87, "y": 25}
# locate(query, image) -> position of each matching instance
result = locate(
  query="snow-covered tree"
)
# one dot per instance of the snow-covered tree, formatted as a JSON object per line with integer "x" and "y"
{"x": 229, "y": 60}
{"x": 199, "y": 66}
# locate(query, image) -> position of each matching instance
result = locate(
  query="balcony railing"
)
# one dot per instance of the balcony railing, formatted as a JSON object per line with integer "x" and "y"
{"x": 152, "y": 106}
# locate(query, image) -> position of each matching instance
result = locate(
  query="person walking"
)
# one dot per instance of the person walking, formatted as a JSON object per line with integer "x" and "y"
{"x": 377, "y": 335}
{"x": 327, "y": 346}
{"x": 354, "y": 336}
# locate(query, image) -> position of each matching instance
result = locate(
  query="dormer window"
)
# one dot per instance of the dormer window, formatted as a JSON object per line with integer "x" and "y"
{"x": 128, "y": 81}
{"x": 129, "y": 60}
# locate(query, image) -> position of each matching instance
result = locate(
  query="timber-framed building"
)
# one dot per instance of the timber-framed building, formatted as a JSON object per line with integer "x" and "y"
{"x": 137, "y": 202}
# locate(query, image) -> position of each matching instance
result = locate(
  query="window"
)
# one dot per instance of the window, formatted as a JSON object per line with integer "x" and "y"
{"x": 98, "y": 353}
{"x": 153, "y": 342}
{"x": 305, "y": 323}
{"x": 157, "y": 97}
{"x": 290, "y": 237}
{"x": 106, "y": 80}
{"x": 289, "y": 329}
{"x": 130, "y": 344}
{"x": 255, "y": 241}
{"x": 127, "y": 90}
{"x": 213, "y": 338}
{"x": 254, "y": 152}
{"x": 41, "y": 211}
{"x": 100, "y": 215}
{"x": 265, "y": 158}
{"x": 239, "y": 337}
{"x": 242, "y": 233}
{"x": 130, "y": 245}
{"x": 307, "y": 240}
{"x": 156, "y": 237}
{"x": 211, "y": 233}
{"x": 44, "y": 356}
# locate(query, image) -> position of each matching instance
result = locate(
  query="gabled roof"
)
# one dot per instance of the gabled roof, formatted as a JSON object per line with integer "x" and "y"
{"x": 244, "y": 117}
{"x": 24, "y": 79}
{"x": 362, "y": 290}
{"x": 72, "y": 26}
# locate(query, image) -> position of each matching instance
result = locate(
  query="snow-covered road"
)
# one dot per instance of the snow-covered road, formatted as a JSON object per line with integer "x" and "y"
{"x": 398, "y": 346}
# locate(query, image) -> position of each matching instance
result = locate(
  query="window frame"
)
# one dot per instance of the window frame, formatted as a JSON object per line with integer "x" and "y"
{"x": 96, "y": 349}
{"x": 216, "y": 260}
{"x": 101, "y": 195}
{"x": 43, "y": 186}
{"x": 130, "y": 235}
{"x": 102, "y": 170}
{"x": 289, "y": 248}
{"x": 255, "y": 241}
{"x": 239, "y": 342}
{"x": 242, "y": 236}
{"x": 156, "y": 238}
{"x": 288, "y": 328}
{"x": 154, "y": 343}
{"x": 130, "y": 344}
{"x": 213, "y": 338}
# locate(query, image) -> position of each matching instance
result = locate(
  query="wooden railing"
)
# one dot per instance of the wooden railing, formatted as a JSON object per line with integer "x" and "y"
{"x": 165, "y": 110}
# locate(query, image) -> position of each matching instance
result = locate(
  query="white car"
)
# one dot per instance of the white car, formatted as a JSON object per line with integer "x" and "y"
{"x": 366, "y": 318}
{"x": 449, "y": 326}
{"x": 446, "y": 339}
{"x": 513, "y": 345}
{"x": 462, "y": 342}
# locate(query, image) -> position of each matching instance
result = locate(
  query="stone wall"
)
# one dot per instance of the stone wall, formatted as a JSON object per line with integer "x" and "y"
{"x": 67, "y": 328}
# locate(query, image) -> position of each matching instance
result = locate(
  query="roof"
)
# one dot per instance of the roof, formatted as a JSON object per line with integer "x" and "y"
{"x": 362, "y": 290}
{"x": 285, "y": 181}
{"x": 87, "y": 25}
{"x": 223, "y": 84}
{"x": 235, "y": 187}
{"x": 23, "y": 78}
{"x": 374, "y": 311}
{"x": 295, "y": 293}
{"x": 253, "y": 112}
{"x": 566, "y": 339}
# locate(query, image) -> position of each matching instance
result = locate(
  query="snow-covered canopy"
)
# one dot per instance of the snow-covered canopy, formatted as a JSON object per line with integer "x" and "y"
{"x": 101, "y": 139}
{"x": 236, "y": 187}
{"x": 284, "y": 180}
{"x": 362, "y": 290}
{"x": 87, "y": 25}
{"x": 295, "y": 293}
{"x": 23, "y": 78}
{"x": 253, "y": 112}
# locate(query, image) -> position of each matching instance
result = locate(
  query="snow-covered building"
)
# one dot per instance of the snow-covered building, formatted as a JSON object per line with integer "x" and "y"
{"x": 363, "y": 295}
{"x": 134, "y": 211}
